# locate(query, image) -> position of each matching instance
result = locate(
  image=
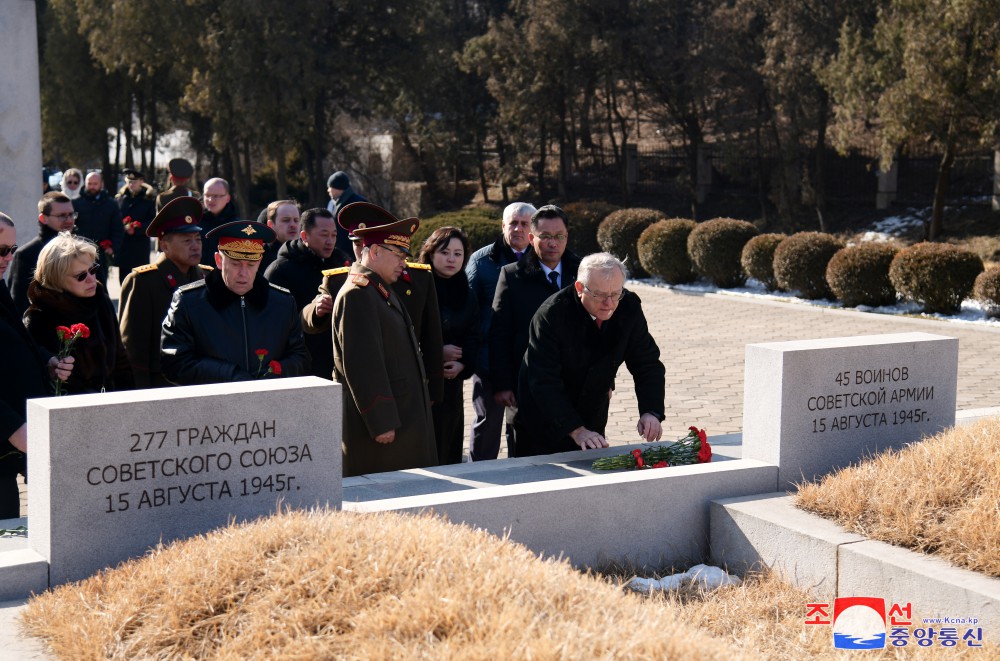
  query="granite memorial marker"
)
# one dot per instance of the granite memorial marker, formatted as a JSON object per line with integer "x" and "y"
{"x": 812, "y": 406}
{"x": 112, "y": 475}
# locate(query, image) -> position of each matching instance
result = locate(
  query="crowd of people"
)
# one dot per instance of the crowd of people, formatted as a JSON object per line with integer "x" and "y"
{"x": 335, "y": 292}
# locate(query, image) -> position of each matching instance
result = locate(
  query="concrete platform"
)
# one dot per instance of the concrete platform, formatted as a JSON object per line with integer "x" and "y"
{"x": 818, "y": 555}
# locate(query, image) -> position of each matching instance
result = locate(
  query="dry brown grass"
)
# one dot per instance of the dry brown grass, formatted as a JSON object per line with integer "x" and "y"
{"x": 334, "y": 584}
{"x": 940, "y": 496}
{"x": 341, "y": 585}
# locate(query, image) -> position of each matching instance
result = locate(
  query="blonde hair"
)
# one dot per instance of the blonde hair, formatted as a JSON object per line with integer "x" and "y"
{"x": 57, "y": 256}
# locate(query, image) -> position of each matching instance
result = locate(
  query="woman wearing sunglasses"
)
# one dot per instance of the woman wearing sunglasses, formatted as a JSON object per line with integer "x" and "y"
{"x": 65, "y": 291}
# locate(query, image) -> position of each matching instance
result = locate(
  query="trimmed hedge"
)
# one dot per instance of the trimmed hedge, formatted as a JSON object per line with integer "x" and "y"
{"x": 800, "y": 263}
{"x": 663, "y": 250}
{"x": 987, "y": 290}
{"x": 757, "y": 259}
{"x": 859, "y": 275}
{"x": 715, "y": 247}
{"x": 935, "y": 275}
{"x": 482, "y": 226}
{"x": 584, "y": 219}
{"x": 619, "y": 235}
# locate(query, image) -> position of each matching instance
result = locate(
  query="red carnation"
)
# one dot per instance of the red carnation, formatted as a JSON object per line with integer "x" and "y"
{"x": 661, "y": 464}
{"x": 274, "y": 367}
{"x": 637, "y": 453}
{"x": 63, "y": 333}
{"x": 127, "y": 220}
{"x": 705, "y": 453}
{"x": 81, "y": 329}
{"x": 261, "y": 353}
{"x": 107, "y": 245}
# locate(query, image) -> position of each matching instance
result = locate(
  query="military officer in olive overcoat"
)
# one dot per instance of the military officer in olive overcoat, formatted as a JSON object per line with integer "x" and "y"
{"x": 415, "y": 288}
{"x": 147, "y": 290}
{"x": 387, "y": 409}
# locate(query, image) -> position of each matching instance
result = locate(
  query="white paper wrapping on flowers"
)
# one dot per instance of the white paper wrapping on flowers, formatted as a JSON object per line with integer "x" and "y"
{"x": 703, "y": 576}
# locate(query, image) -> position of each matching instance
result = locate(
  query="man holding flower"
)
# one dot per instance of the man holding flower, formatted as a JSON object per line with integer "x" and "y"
{"x": 233, "y": 325}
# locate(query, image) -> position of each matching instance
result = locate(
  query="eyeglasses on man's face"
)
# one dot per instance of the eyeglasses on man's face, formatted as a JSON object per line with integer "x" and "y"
{"x": 80, "y": 277}
{"x": 614, "y": 297}
{"x": 7, "y": 250}
{"x": 64, "y": 216}
{"x": 551, "y": 237}
{"x": 398, "y": 253}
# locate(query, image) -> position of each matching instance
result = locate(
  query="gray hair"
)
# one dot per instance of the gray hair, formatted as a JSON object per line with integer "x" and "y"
{"x": 517, "y": 209}
{"x": 599, "y": 261}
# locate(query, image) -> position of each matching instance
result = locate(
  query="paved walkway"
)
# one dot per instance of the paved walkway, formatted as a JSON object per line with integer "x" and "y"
{"x": 702, "y": 339}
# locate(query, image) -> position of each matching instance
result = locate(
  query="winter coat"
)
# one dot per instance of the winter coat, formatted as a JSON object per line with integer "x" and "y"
{"x": 483, "y": 272}
{"x": 212, "y": 335}
{"x": 570, "y": 366}
{"x": 300, "y": 270}
{"x": 101, "y": 362}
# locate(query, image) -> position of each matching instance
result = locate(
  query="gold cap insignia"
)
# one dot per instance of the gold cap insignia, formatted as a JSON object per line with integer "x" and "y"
{"x": 249, "y": 231}
{"x": 188, "y": 219}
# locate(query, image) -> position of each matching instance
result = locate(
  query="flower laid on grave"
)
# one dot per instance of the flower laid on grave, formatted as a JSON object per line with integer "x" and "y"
{"x": 68, "y": 335}
{"x": 691, "y": 449}
{"x": 273, "y": 367}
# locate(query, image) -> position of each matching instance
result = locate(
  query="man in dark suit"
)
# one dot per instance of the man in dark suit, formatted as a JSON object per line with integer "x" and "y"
{"x": 55, "y": 214}
{"x": 578, "y": 340}
{"x": 99, "y": 219}
{"x": 521, "y": 290}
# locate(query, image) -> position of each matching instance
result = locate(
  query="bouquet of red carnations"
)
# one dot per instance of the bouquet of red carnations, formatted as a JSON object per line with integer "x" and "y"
{"x": 691, "y": 449}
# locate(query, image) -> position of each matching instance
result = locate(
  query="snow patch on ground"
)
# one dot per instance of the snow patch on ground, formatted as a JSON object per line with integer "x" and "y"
{"x": 705, "y": 577}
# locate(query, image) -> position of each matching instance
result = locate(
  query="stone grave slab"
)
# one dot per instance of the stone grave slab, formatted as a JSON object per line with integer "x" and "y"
{"x": 812, "y": 406}
{"x": 113, "y": 474}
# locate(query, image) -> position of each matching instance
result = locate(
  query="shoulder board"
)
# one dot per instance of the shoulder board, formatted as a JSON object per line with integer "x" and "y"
{"x": 192, "y": 285}
{"x": 279, "y": 288}
{"x": 360, "y": 279}
{"x": 144, "y": 269}
{"x": 336, "y": 271}
{"x": 418, "y": 265}
{"x": 206, "y": 268}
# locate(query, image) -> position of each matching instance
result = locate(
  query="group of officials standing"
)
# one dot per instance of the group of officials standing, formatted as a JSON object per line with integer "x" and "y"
{"x": 331, "y": 292}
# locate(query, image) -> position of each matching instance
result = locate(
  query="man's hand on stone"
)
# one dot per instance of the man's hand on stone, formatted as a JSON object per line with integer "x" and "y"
{"x": 588, "y": 440}
{"x": 649, "y": 427}
{"x": 505, "y": 397}
{"x": 387, "y": 437}
{"x": 323, "y": 305}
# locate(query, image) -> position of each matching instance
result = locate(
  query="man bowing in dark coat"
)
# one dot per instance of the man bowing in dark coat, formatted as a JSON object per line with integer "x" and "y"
{"x": 577, "y": 341}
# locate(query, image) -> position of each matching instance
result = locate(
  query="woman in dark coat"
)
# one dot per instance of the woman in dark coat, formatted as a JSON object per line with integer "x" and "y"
{"x": 447, "y": 252}
{"x": 27, "y": 378}
{"x": 65, "y": 291}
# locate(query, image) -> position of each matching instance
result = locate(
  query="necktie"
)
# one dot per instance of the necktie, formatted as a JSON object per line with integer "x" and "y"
{"x": 518, "y": 255}
{"x": 598, "y": 322}
{"x": 554, "y": 278}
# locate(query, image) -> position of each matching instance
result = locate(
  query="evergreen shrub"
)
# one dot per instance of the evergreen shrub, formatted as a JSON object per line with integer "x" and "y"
{"x": 935, "y": 275}
{"x": 482, "y": 226}
{"x": 663, "y": 250}
{"x": 584, "y": 219}
{"x": 619, "y": 234}
{"x": 800, "y": 263}
{"x": 715, "y": 247}
{"x": 859, "y": 275}
{"x": 757, "y": 259}
{"x": 987, "y": 290}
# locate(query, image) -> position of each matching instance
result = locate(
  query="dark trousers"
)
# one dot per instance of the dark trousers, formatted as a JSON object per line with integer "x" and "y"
{"x": 484, "y": 440}
{"x": 449, "y": 423}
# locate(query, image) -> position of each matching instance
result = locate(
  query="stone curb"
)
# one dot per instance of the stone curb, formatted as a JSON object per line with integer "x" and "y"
{"x": 819, "y": 556}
